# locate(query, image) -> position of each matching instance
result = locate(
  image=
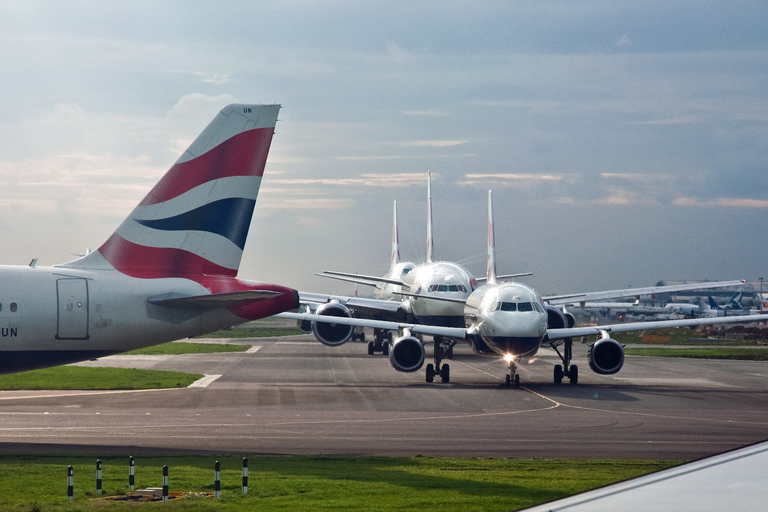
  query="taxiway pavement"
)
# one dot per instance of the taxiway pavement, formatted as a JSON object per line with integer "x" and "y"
{"x": 292, "y": 395}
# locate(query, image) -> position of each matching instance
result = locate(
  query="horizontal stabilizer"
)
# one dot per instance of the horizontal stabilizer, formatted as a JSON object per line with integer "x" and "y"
{"x": 212, "y": 301}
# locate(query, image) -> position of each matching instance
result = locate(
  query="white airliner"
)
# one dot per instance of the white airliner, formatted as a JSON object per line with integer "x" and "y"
{"x": 167, "y": 272}
{"x": 410, "y": 296}
{"x": 511, "y": 321}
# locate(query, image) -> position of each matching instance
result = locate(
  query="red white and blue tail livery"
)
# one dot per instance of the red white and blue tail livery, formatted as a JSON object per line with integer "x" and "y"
{"x": 167, "y": 272}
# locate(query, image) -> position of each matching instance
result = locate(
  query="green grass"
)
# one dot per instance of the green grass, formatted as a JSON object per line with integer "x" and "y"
{"x": 266, "y": 327}
{"x": 182, "y": 347}
{"x": 315, "y": 483}
{"x": 741, "y": 354}
{"x": 251, "y": 332}
{"x": 682, "y": 336}
{"x": 83, "y": 377}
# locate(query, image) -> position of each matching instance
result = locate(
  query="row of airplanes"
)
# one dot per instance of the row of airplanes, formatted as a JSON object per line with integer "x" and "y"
{"x": 170, "y": 271}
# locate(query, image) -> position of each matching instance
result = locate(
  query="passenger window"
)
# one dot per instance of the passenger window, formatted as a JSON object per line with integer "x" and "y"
{"x": 13, "y": 307}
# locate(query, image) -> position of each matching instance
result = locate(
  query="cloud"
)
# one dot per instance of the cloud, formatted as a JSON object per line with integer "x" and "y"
{"x": 729, "y": 202}
{"x": 365, "y": 180}
{"x": 434, "y": 143}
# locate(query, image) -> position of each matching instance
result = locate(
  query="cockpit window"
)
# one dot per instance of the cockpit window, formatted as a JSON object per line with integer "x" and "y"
{"x": 406, "y": 270}
{"x": 516, "y": 306}
{"x": 447, "y": 288}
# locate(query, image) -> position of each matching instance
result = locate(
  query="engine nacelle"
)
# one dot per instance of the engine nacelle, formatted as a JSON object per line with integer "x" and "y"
{"x": 406, "y": 354}
{"x": 329, "y": 333}
{"x": 557, "y": 319}
{"x": 606, "y": 356}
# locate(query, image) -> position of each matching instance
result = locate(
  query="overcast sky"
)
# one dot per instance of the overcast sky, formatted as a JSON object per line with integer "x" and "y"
{"x": 625, "y": 142}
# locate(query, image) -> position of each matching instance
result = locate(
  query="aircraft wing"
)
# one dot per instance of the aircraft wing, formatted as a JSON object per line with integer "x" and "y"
{"x": 573, "y": 332}
{"x": 360, "y": 279}
{"x": 577, "y": 298}
{"x": 212, "y": 301}
{"x": 372, "y": 307}
{"x": 505, "y": 276}
{"x": 432, "y": 330}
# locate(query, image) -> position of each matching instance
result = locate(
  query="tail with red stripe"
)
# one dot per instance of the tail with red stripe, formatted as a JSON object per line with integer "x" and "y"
{"x": 195, "y": 220}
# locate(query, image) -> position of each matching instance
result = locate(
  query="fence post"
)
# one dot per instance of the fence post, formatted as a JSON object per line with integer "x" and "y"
{"x": 131, "y": 465}
{"x": 165, "y": 484}
{"x": 217, "y": 480}
{"x": 70, "y": 483}
{"x": 245, "y": 475}
{"x": 98, "y": 477}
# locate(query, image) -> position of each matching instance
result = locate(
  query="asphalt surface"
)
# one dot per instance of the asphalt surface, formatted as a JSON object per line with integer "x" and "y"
{"x": 295, "y": 396}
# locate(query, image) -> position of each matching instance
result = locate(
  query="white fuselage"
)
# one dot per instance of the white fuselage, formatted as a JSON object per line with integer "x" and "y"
{"x": 54, "y": 315}
{"x": 507, "y": 319}
{"x": 386, "y": 291}
{"x": 441, "y": 279}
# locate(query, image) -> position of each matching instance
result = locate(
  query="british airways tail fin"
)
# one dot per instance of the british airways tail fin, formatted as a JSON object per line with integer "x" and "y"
{"x": 490, "y": 272}
{"x": 430, "y": 240}
{"x": 196, "y": 219}
{"x": 394, "y": 258}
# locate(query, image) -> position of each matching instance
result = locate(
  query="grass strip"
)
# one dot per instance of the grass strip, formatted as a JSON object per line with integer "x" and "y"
{"x": 183, "y": 347}
{"x": 87, "y": 378}
{"x": 743, "y": 354}
{"x": 315, "y": 483}
{"x": 248, "y": 331}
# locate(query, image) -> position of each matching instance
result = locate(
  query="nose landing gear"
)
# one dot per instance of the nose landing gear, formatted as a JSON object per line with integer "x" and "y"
{"x": 513, "y": 379}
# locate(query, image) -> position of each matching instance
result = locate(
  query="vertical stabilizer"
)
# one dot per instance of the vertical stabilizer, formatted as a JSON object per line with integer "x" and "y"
{"x": 430, "y": 240}
{"x": 490, "y": 272}
{"x": 196, "y": 219}
{"x": 395, "y": 256}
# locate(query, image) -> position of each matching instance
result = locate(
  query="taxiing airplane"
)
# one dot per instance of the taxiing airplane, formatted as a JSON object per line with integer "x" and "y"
{"x": 411, "y": 297}
{"x": 169, "y": 271}
{"x": 512, "y": 321}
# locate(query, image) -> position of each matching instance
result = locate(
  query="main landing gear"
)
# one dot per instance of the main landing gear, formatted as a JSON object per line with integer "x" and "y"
{"x": 381, "y": 341}
{"x": 567, "y": 369}
{"x": 443, "y": 348}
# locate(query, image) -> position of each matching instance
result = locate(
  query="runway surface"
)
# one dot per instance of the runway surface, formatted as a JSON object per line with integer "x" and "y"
{"x": 295, "y": 396}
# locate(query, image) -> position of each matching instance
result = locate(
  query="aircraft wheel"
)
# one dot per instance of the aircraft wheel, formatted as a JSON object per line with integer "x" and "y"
{"x": 370, "y": 348}
{"x": 558, "y": 374}
{"x": 430, "y": 372}
{"x": 385, "y": 349}
{"x": 573, "y": 375}
{"x": 445, "y": 374}
{"x": 517, "y": 381}
{"x": 509, "y": 381}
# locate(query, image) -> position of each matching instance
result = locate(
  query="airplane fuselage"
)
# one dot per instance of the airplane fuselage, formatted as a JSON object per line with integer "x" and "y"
{"x": 56, "y": 315}
{"x": 505, "y": 319}
{"x": 441, "y": 279}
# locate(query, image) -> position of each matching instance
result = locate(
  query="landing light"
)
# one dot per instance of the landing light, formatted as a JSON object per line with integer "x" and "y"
{"x": 509, "y": 358}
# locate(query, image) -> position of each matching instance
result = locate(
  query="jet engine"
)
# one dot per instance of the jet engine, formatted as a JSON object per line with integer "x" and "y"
{"x": 606, "y": 356}
{"x": 557, "y": 319}
{"x": 332, "y": 334}
{"x": 406, "y": 353}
